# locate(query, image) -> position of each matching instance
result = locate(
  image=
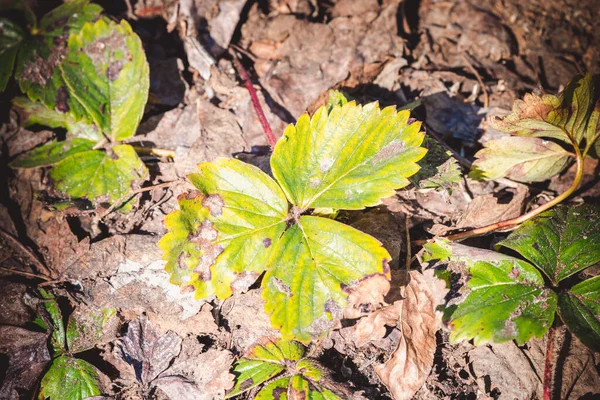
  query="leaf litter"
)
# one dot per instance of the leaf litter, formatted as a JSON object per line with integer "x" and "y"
{"x": 215, "y": 117}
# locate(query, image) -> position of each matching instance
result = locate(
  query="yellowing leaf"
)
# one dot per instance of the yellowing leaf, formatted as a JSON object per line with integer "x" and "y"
{"x": 348, "y": 159}
{"x": 552, "y": 116}
{"x": 314, "y": 267}
{"x": 94, "y": 174}
{"x": 523, "y": 159}
{"x": 106, "y": 70}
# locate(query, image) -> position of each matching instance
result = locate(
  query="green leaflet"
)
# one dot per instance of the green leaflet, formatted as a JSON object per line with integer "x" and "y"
{"x": 265, "y": 361}
{"x": 52, "y": 321}
{"x": 95, "y": 173}
{"x": 69, "y": 379}
{"x": 36, "y": 113}
{"x": 348, "y": 159}
{"x": 314, "y": 267}
{"x": 86, "y": 327}
{"x": 523, "y": 159}
{"x": 11, "y": 36}
{"x": 241, "y": 224}
{"x": 504, "y": 298}
{"x": 37, "y": 68}
{"x": 560, "y": 242}
{"x": 52, "y": 152}
{"x": 105, "y": 68}
{"x": 579, "y": 308}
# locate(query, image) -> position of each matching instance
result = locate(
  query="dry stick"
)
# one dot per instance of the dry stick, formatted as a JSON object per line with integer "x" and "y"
{"x": 129, "y": 195}
{"x": 255, "y": 102}
{"x": 24, "y": 249}
{"x": 532, "y": 213}
{"x": 548, "y": 364}
{"x": 486, "y": 98}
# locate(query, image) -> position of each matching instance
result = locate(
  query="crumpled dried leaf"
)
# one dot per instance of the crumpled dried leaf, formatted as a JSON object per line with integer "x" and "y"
{"x": 147, "y": 352}
{"x": 406, "y": 371}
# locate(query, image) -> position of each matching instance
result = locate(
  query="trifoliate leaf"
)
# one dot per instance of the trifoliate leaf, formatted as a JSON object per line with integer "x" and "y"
{"x": 37, "y": 68}
{"x": 314, "y": 266}
{"x": 11, "y": 36}
{"x": 301, "y": 378}
{"x": 36, "y": 113}
{"x": 105, "y": 68}
{"x": 52, "y": 152}
{"x": 349, "y": 158}
{"x": 70, "y": 379}
{"x": 504, "y": 297}
{"x": 579, "y": 308}
{"x": 99, "y": 175}
{"x": 220, "y": 243}
{"x": 560, "y": 242}
{"x": 552, "y": 116}
{"x": 523, "y": 159}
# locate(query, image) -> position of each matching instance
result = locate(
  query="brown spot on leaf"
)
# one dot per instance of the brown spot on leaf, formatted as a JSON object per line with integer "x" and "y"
{"x": 105, "y": 48}
{"x": 188, "y": 289}
{"x": 204, "y": 236}
{"x": 243, "y": 281}
{"x": 386, "y": 266}
{"x": 333, "y": 308}
{"x": 214, "y": 203}
{"x": 191, "y": 195}
{"x": 389, "y": 151}
{"x": 40, "y": 70}
{"x": 278, "y": 392}
{"x": 62, "y": 99}
{"x": 282, "y": 287}
{"x": 514, "y": 273}
{"x": 113, "y": 70}
{"x": 103, "y": 108}
{"x": 267, "y": 242}
{"x": 246, "y": 384}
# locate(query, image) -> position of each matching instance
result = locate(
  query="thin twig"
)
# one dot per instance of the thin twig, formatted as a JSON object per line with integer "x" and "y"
{"x": 408, "y": 249}
{"x": 486, "y": 98}
{"x": 28, "y": 274}
{"x": 548, "y": 364}
{"x": 24, "y": 249}
{"x": 153, "y": 151}
{"x": 129, "y": 195}
{"x": 255, "y": 102}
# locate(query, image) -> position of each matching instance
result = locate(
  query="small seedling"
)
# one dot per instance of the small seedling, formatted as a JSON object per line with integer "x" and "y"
{"x": 242, "y": 222}
{"x": 284, "y": 372}
{"x": 70, "y": 378}
{"x": 503, "y": 298}
{"x": 88, "y": 74}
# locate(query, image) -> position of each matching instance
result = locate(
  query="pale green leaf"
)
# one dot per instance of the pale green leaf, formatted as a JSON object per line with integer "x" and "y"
{"x": 70, "y": 379}
{"x": 37, "y": 69}
{"x": 314, "y": 266}
{"x": 523, "y": 159}
{"x": 35, "y": 112}
{"x": 560, "y": 242}
{"x": 11, "y": 36}
{"x": 504, "y": 298}
{"x": 579, "y": 308}
{"x": 349, "y": 158}
{"x": 220, "y": 243}
{"x": 52, "y": 152}
{"x": 552, "y": 116}
{"x": 99, "y": 175}
{"x": 106, "y": 70}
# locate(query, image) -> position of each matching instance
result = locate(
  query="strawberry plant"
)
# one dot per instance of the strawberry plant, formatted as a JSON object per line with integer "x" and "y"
{"x": 242, "y": 222}
{"x": 505, "y": 298}
{"x": 88, "y": 74}
{"x": 282, "y": 369}
{"x": 545, "y": 134}
{"x": 69, "y": 377}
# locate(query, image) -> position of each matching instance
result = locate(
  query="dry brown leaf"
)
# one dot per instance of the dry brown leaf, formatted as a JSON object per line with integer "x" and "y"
{"x": 367, "y": 296}
{"x": 372, "y": 327}
{"x": 406, "y": 371}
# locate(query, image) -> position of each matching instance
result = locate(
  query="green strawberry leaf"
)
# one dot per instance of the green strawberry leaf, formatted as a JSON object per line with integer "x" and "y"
{"x": 592, "y": 133}
{"x": 50, "y": 318}
{"x": 523, "y": 159}
{"x": 560, "y": 242}
{"x": 36, "y": 113}
{"x": 579, "y": 308}
{"x": 301, "y": 378}
{"x": 349, "y": 158}
{"x": 52, "y": 152}
{"x": 100, "y": 175}
{"x": 243, "y": 213}
{"x": 88, "y": 327}
{"x": 314, "y": 266}
{"x": 105, "y": 68}
{"x": 552, "y": 116}
{"x": 504, "y": 298}
{"x": 70, "y": 379}
{"x": 37, "y": 69}
{"x": 11, "y": 36}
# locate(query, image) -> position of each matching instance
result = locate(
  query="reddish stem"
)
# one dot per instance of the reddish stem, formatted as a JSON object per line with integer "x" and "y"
{"x": 255, "y": 102}
{"x": 548, "y": 365}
